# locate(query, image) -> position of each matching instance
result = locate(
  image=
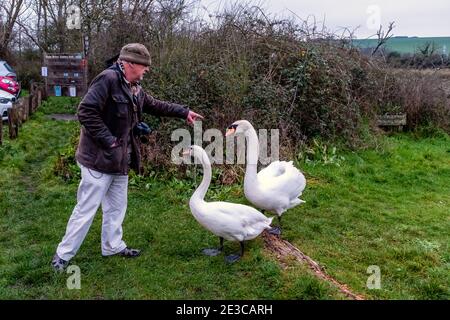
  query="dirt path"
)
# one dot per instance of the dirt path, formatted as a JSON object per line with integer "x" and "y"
{"x": 282, "y": 249}
{"x": 61, "y": 116}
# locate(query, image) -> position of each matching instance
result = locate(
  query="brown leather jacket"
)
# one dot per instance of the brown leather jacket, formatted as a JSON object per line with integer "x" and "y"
{"x": 107, "y": 114}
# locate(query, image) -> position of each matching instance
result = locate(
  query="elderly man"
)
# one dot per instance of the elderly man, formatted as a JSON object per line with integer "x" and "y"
{"x": 110, "y": 115}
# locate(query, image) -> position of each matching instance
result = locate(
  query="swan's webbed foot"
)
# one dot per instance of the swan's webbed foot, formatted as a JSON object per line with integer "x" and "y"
{"x": 232, "y": 258}
{"x": 212, "y": 252}
{"x": 275, "y": 231}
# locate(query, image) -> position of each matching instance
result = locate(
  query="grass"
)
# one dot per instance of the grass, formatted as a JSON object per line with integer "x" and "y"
{"x": 64, "y": 105}
{"x": 24, "y": 93}
{"x": 387, "y": 208}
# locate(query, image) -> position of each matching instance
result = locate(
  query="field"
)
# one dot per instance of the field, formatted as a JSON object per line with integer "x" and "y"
{"x": 386, "y": 207}
{"x": 409, "y": 45}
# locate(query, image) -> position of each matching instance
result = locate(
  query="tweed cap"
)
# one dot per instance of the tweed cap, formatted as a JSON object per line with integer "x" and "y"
{"x": 137, "y": 53}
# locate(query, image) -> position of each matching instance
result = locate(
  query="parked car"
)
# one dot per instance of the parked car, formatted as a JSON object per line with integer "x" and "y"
{"x": 8, "y": 79}
{"x": 9, "y": 85}
{"x": 7, "y": 71}
{"x": 6, "y": 102}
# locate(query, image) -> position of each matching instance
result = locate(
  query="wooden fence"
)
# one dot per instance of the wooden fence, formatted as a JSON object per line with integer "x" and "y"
{"x": 22, "y": 109}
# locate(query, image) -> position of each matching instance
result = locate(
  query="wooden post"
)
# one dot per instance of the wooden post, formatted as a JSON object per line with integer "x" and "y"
{"x": 33, "y": 87}
{"x": 19, "y": 112}
{"x": 18, "y": 115}
{"x": 45, "y": 93}
{"x": 16, "y": 122}
{"x": 33, "y": 102}
{"x": 39, "y": 97}
{"x": 23, "y": 111}
{"x": 12, "y": 122}
{"x": 30, "y": 104}
{"x": 26, "y": 108}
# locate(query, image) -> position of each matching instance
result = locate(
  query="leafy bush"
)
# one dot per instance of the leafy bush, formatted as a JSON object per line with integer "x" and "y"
{"x": 311, "y": 85}
{"x": 66, "y": 166}
{"x": 251, "y": 67}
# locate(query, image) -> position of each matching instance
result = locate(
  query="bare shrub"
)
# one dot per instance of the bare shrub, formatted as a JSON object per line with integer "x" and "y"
{"x": 423, "y": 97}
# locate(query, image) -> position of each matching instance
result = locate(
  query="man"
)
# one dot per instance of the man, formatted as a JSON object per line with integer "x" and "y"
{"x": 110, "y": 115}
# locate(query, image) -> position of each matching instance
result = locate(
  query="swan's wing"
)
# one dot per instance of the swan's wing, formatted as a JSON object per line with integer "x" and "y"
{"x": 251, "y": 221}
{"x": 235, "y": 218}
{"x": 245, "y": 214}
{"x": 274, "y": 169}
{"x": 285, "y": 178}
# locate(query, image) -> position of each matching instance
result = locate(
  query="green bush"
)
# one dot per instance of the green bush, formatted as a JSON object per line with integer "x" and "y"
{"x": 277, "y": 74}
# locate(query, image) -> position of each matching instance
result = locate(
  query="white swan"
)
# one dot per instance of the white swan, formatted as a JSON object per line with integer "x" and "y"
{"x": 230, "y": 221}
{"x": 275, "y": 188}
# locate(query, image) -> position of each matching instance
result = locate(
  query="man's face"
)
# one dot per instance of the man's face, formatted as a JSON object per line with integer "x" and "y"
{"x": 136, "y": 71}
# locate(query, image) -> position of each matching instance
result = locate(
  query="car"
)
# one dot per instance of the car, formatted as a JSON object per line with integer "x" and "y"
{"x": 9, "y": 85}
{"x": 7, "y": 71}
{"x": 8, "y": 79}
{"x": 6, "y": 102}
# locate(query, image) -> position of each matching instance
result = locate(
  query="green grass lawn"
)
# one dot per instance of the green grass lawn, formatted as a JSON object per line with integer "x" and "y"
{"x": 388, "y": 208}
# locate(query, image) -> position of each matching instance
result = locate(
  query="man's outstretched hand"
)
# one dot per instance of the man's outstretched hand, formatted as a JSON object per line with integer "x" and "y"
{"x": 192, "y": 116}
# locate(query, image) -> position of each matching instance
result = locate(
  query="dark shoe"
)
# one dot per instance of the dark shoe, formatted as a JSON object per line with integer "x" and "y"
{"x": 129, "y": 253}
{"x": 58, "y": 264}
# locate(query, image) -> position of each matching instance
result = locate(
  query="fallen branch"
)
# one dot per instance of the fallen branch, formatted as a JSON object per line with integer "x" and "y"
{"x": 283, "y": 248}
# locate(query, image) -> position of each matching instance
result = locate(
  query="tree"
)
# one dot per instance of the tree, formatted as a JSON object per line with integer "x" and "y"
{"x": 10, "y": 11}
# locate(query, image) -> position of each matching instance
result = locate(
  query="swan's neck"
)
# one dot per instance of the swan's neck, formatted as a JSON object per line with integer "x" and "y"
{"x": 252, "y": 156}
{"x": 200, "y": 192}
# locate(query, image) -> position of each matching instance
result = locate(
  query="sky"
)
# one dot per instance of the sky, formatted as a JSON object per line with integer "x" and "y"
{"x": 412, "y": 18}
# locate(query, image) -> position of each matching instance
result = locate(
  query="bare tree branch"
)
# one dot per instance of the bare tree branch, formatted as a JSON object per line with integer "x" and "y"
{"x": 383, "y": 37}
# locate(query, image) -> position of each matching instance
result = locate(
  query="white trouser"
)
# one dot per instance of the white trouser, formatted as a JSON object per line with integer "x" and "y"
{"x": 97, "y": 188}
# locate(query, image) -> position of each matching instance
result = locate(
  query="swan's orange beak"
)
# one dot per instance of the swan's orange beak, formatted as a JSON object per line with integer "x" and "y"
{"x": 230, "y": 131}
{"x": 186, "y": 153}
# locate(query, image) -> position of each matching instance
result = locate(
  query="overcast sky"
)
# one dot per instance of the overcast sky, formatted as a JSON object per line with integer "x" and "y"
{"x": 412, "y": 18}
